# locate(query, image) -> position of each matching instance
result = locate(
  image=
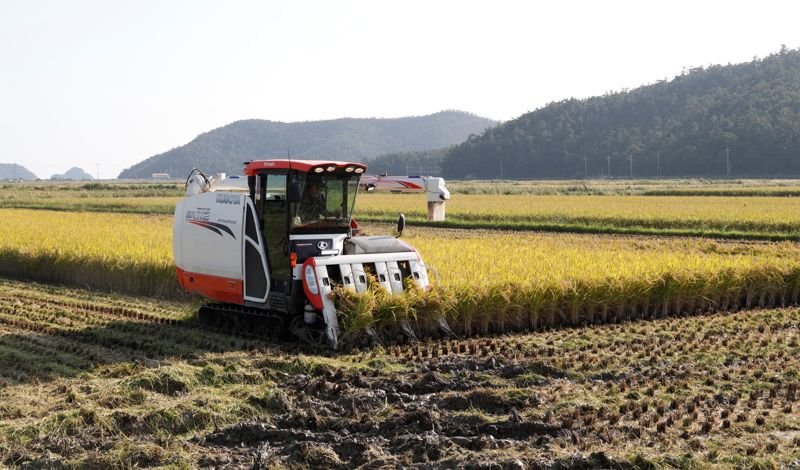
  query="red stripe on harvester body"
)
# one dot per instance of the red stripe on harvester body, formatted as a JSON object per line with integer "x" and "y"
{"x": 218, "y": 288}
{"x": 406, "y": 184}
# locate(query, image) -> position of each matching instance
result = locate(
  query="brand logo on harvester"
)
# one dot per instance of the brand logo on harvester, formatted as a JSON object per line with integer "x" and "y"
{"x": 234, "y": 199}
{"x": 214, "y": 227}
{"x": 200, "y": 218}
{"x": 322, "y": 245}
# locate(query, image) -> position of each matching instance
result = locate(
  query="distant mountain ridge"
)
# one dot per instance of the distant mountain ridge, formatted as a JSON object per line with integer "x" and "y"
{"x": 421, "y": 162}
{"x": 355, "y": 139}
{"x": 742, "y": 120}
{"x": 74, "y": 173}
{"x": 15, "y": 171}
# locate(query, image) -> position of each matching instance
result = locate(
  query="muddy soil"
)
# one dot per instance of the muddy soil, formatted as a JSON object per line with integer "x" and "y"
{"x": 445, "y": 414}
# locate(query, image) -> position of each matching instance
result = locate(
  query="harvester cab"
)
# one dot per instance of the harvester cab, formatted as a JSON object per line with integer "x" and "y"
{"x": 276, "y": 243}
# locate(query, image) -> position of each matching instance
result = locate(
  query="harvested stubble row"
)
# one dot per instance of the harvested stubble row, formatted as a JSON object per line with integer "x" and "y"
{"x": 102, "y": 389}
{"x": 487, "y": 280}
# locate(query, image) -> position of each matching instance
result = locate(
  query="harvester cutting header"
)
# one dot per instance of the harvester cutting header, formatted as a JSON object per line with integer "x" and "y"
{"x": 275, "y": 245}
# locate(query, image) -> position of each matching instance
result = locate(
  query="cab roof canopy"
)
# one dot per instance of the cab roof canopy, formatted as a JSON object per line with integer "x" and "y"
{"x": 257, "y": 166}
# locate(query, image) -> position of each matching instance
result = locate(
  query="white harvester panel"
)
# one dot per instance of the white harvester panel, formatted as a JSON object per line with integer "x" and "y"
{"x": 420, "y": 273}
{"x": 359, "y": 277}
{"x": 395, "y": 277}
{"x": 383, "y": 275}
{"x": 207, "y": 234}
{"x": 346, "y": 271}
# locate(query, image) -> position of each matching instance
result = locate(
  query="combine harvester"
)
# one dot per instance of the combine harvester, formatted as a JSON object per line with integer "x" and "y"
{"x": 437, "y": 193}
{"x": 270, "y": 248}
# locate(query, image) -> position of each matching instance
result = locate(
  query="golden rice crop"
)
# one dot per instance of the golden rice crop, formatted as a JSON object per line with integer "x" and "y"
{"x": 117, "y": 252}
{"x": 485, "y": 280}
{"x": 677, "y": 187}
{"x": 93, "y": 203}
{"x": 539, "y": 279}
{"x": 738, "y": 217}
{"x": 767, "y": 215}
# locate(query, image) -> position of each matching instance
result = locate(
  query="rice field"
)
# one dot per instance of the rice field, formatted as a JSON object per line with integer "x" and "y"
{"x": 111, "y": 252}
{"x": 496, "y": 282}
{"x": 573, "y": 350}
{"x": 99, "y": 381}
{"x": 631, "y": 187}
{"x": 717, "y": 216}
{"x": 486, "y": 281}
{"x": 767, "y": 212}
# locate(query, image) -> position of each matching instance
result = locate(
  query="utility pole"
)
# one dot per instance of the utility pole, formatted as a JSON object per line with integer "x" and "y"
{"x": 501, "y": 169}
{"x": 13, "y": 171}
{"x": 585, "y": 172}
{"x": 658, "y": 165}
{"x": 98, "y": 171}
{"x": 608, "y": 157}
{"x": 630, "y": 159}
{"x": 407, "y": 173}
{"x": 728, "y": 160}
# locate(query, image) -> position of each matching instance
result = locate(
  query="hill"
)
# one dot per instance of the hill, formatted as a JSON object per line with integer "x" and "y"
{"x": 15, "y": 171}
{"x": 744, "y": 117}
{"x": 422, "y": 162}
{"x": 74, "y": 173}
{"x": 225, "y": 148}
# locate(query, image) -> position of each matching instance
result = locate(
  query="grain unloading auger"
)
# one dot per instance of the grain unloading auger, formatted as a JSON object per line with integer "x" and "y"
{"x": 274, "y": 245}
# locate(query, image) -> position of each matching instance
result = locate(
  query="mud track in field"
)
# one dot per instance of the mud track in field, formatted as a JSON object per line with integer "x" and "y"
{"x": 386, "y": 420}
{"x": 572, "y": 398}
{"x": 139, "y": 380}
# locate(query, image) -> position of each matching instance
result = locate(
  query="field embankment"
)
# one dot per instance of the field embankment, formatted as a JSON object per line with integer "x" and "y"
{"x": 116, "y": 382}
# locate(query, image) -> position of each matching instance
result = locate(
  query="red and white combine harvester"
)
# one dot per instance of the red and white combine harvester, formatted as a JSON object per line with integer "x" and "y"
{"x": 434, "y": 186}
{"x": 272, "y": 246}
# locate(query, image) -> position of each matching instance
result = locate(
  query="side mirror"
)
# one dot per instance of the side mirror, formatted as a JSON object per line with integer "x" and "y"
{"x": 294, "y": 192}
{"x": 401, "y": 225}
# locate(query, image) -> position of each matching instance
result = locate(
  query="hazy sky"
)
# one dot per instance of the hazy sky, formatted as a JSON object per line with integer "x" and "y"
{"x": 115, "y": 82}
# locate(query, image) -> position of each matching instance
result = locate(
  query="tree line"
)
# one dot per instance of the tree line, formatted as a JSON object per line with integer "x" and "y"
{"x": 737, "y": 120}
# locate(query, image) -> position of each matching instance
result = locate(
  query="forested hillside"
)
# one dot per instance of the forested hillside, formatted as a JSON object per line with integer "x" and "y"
{"x": 15, "y": 171}
{"x": 73, "y": 173}
{"x": 742, "y": 120}
{"x": 225, "y": 149}
{"x": 423, "y": 162}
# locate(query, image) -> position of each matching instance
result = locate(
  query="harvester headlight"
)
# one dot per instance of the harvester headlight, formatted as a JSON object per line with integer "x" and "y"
{"x": 311, "y": 280}
{"x": 319, "y": 169}
{"x": 331, "y": 168}
{"x": 359, "y": 170}
{"x": 350, "y": 169}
